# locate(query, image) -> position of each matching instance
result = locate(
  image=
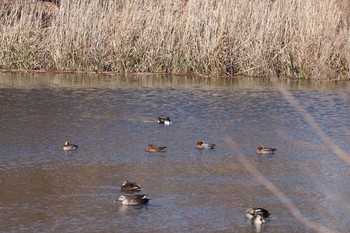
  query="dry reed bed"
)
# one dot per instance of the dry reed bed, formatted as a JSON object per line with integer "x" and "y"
{"x": 294, "y": 38}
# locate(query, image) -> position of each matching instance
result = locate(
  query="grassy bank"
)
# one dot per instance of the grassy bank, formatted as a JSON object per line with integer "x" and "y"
{"x": 294, "y": 38}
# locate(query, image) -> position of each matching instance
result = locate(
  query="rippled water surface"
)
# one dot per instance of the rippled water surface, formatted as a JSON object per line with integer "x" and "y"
{"x": 113, "y": 118}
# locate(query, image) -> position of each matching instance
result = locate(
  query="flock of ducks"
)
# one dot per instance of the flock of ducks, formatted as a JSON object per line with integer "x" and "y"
{"x": 257, "y": 216}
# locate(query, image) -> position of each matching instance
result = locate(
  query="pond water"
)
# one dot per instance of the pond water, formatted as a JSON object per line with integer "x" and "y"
{"x": 113, "y": 118}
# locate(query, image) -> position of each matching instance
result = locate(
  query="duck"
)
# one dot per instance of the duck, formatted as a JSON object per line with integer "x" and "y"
{"x": 130, "y": 187}
{"x": 264, "y": 150}
{"x": 258, "y": 217}
{"x": 68, "y": 146}
{"x": 152, "y": 148}
{"x": 202, "y": 145}
{"x": 164, "y": 121}
{"x": 133, "y": 199}
{"x": 252, "y": 212}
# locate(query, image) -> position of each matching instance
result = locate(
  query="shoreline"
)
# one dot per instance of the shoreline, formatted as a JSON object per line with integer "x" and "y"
{"x": 115, "y": 73}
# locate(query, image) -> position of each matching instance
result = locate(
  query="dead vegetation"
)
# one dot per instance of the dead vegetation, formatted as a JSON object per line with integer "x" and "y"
{"x": 303, "y": 39}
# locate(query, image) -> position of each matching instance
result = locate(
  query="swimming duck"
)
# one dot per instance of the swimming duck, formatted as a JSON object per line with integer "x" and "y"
{"x": 133, "y": 199}
{"x": 130, "y": 187}
{"x": 67, "y": 146}
{"x": 151, "y": 148}
{"x": 258, "y": 217}
{"x": 252, "y": 212}
{"x": 164, "y": 121}
{"x": 202, "y": 145}
{"x": 262, "y": 150}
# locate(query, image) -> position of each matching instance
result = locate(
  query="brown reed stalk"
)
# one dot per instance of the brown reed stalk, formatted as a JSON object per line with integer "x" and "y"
{"x": 294, "y": 38}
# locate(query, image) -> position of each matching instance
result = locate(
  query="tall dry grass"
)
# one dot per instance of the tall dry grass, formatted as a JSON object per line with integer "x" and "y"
{"x": 293, "y": 38}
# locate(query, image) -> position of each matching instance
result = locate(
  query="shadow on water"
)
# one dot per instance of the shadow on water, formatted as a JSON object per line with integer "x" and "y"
{"x": 114, "y": 118}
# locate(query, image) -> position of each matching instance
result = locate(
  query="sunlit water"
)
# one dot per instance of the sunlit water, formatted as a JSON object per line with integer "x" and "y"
{"x": 112, "y": 119}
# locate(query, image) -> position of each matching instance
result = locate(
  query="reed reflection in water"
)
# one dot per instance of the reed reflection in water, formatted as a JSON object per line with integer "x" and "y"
{"x": 113, "y": 118}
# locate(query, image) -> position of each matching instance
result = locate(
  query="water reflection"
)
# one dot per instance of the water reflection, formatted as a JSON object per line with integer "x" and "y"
{"x": 111, "y": 80}
{"x": 113, "y": 118}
